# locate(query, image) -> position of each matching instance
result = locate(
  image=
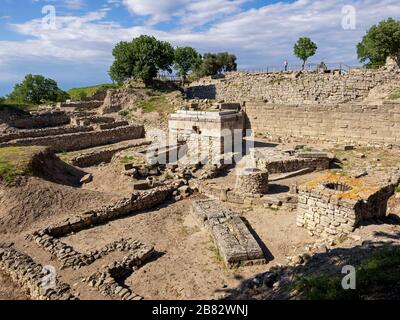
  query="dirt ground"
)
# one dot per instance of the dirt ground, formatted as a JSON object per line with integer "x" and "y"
{"x": 186, "y": 264}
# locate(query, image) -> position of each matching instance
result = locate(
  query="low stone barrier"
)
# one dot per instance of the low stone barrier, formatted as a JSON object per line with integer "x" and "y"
{"x": 31, "y": 276}
{"x": 51, "y": 119}
{"x": 332, "y": 205}
{"x": 69, "y": 257}
{"x": 82, "y": 140}
{"x": 81, "y": 105}
{"x": 108, "y": 281}
{"x": 233, "y": 239}
{"x": 138, "y": 202}
{"x": 87, "y": 120}
{"x": 113, "y": 125}
{"x": 104, "y": 156}
{"x": 37, "y": 133}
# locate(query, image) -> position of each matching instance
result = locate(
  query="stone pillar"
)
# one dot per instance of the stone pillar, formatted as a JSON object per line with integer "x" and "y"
{"x": 252, "y": 180}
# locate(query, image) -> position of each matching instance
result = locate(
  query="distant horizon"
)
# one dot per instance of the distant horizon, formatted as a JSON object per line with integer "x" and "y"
{"x": 76, "y": 49}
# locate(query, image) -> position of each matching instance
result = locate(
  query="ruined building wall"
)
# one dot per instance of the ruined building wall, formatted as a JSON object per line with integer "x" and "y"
{"x": 292, "y": 87}
{"x": 337, "y": 123}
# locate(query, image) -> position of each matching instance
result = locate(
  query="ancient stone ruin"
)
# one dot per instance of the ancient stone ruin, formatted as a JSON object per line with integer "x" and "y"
{"x": 245, "y": 172}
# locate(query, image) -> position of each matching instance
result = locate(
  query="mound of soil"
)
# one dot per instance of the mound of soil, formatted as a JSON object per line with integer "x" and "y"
{"x": 46, "y": 165}
{"x": 51, "y": 191}
{"x": 35, "y": 201}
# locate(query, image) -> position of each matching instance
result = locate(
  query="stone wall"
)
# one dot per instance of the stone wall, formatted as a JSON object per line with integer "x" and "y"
{"x": 104, "y": 156}
{"x": 291, "y": 87}
{"x": 332, "y": 205}
{"x": 36, "y": 133}
{"x": 52, "y": 119}
{"x": 208, "y": 134}
{"x": 138, "y": 202}
{"x": 80, "y": 105}
{"x": 337, "y": 123}
{"x": 82, "y": 140}
{"x": 30, "y": 275}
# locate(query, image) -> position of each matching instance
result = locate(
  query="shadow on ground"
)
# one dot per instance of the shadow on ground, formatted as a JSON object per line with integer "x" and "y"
{"x": 319, "y": 277}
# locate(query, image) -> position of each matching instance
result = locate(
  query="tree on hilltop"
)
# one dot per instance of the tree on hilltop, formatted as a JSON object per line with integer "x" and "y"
{"x": 380, "y": 42}
{"x": 216, "y": 63}
{"x": 304, "y": 49}
{"x": 37, "y": 89}
{"x": 141, "y": 59}
{"x": 186, "y": 59}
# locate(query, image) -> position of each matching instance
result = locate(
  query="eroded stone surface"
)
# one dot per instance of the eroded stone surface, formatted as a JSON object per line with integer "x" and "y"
{"x": 233, "y": 239}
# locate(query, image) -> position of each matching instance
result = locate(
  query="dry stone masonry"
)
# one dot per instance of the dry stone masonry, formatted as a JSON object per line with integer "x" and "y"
{"x": 81, "y": 140}
{"x": 30, "y": 275}
{"x": 207, "y": 134}
{"x": 283, "y": 161}
{"x": 252, "y": 180}
{"x": 345, "y": 123}
{"x": 291, "y": 88}
{"x": 332, "y": 204}
{"x": 233, "y": 239}
{"x": 108, "y": 282}
{"x": 69, "y": 257}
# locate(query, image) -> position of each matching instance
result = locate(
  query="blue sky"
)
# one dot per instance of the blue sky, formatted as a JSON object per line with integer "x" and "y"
{"x": 77, "y": 51}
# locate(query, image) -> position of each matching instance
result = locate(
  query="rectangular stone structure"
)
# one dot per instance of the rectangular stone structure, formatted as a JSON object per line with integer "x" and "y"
{"x": 208, "y": 134}
{"x": 333, "y": 204}
{"x": 232, "y": 237}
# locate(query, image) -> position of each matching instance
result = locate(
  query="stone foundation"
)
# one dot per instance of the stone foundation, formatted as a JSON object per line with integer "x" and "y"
{"x": 96, "y": 157}
{"x": 209, "y": 135}
{"x": 231, "y": 236}
{"x": 332, "y": 204}
{"x": 251, "y": 180}
{"x": 108, "y": 281}
{"x": 282, "y": 162}
{"x": 38, "y": 133}
{"x": 30, "y": 276}
{"x": 82, "y": 140}
{"x": 51, "y": 119}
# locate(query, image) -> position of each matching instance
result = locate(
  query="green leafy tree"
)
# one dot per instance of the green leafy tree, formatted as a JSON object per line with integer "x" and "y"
{"x": 142, "y": 58}
{"x": 380, "y": 42}
{"x": 304, "y": 49}
{"x": 216, "y": 63}
{"x": 227, "y": 62}
{"x": 186, "y": 59}
{"x": 36, "y": 89}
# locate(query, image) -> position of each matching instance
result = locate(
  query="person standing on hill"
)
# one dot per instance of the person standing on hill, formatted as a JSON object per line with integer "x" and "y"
{"x": 285, "y": 64}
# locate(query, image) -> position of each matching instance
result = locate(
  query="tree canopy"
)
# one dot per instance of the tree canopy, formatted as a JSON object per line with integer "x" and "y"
{"x": 304, "y": 49}
{"x": 186, "y": 59}
{"x": 36, "y": 89}
{"x": 216, "y": 63}
{"x": 380, "y": 42}
{"x": 142, "y": 58}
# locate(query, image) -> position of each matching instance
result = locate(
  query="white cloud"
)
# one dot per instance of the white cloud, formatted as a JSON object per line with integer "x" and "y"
{"x": 74, "y": 4}
{"x": 188, "y": 12}
{"x": 259, "y": 37}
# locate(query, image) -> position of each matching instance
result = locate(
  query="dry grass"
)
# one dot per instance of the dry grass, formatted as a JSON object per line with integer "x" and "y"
{"x": 16, "y": 161}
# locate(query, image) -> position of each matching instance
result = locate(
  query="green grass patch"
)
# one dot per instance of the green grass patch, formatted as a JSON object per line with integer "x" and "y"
{"x": 154, "y": 104}
{"x": 16, "y": 161}
{"x": 395, "y": 95}
{"x": 397, "y": 189}
{"x": 78, "y": 94}
{"x": 378, "y": 274}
